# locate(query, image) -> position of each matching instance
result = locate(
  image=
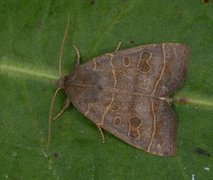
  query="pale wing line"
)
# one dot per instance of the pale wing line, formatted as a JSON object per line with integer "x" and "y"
{"x": 174, "y": 50}
{"x": 138, "y": 129}
{"x": 113, "y": 93}
{"x": 163, "y": 69}
{"x": 113, "y": 72}
{"x": 88, "y": 109}
{"x": 95, "y": 65}
{"x": 154, "y": 126}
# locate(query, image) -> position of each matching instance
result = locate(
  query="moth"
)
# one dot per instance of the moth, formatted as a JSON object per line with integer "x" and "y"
{"x": 127, "y": 93}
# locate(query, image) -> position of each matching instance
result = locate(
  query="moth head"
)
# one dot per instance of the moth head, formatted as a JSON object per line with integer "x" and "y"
{"x": 61, "y": 82}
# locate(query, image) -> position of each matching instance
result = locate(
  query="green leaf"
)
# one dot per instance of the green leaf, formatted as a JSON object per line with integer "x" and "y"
{"x": 30, "y": 40}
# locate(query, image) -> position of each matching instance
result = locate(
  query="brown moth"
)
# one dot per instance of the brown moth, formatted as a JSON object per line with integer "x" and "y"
{"x": 126, "y": 92}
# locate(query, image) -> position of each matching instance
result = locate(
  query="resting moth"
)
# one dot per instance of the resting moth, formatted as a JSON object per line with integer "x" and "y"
{"x": 126, "y": 93}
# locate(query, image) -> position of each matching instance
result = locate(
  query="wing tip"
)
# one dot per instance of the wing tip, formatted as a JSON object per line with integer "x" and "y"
{"x": 164, "y": 153}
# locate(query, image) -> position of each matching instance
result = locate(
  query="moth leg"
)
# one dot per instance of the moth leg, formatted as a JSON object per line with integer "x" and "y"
{"x": 66, "y": 105}
{"x": 102, "y": 134}
{"x": 77, "y": 63}
{"x": 118, "y": 46}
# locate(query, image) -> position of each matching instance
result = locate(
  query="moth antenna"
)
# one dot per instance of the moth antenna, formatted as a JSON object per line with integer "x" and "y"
{"x": 78, "y": 56}
{"x": 66, "y": 105}
{"x": 50, "y": 117}
{"x": 62, "y": 45}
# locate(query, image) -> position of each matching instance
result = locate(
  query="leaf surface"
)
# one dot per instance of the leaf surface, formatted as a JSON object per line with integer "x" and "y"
{"x": 30, "y": 40}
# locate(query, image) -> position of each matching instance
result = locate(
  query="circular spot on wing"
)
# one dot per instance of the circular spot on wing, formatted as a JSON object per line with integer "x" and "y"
{"x": 117, "y": 120}
{"x": 143, "y": 63}
{"x": 146, "y": 55}
{"x": 144, "y": 67}
{"x": 134, "y": 124}
{"x": 126, "y": 61}
{"x": 135, "y": 121}
{"x": 119, "y": 73}
{"x": 134, "y": 134}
